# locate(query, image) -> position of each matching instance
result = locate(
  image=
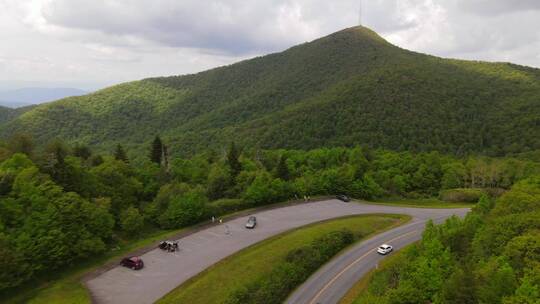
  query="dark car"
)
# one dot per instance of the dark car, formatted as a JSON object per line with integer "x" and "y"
{"x": 343, "y": 198}
{"x": 251, "y": 223}
{"x": 169, "y": 246}
{"x": 134, "y": 263}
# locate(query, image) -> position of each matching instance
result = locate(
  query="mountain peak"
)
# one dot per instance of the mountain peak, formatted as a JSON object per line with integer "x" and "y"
{"x": 350, "y": 87}
{"x": 361, "y": 33}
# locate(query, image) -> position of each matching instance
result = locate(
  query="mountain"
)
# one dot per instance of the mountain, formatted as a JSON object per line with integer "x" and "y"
{"x": 29, "y": 96}
{"x": 351, "y": 87}
{"x": 7, "y": 114}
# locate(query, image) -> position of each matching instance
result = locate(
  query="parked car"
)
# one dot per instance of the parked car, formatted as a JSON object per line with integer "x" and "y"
{"x": 251, "y": 223}
{"x": 134, "y": 263}
{"x": 384, "y": 249}
{"x": 168, "y": 246}
{"x": 343, "y": 198}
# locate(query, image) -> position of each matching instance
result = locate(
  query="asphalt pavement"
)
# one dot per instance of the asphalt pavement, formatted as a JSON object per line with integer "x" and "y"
{"x": 164, "y": 271}
{"x": 331, "y": 282}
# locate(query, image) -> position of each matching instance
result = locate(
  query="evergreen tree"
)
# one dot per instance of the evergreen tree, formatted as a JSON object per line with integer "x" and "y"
{"x": 120, "y": 154}
{"x": 282, "y": 171}
{"x": 82, "y": 151}
{"x": 156, "y": 153}
{"x": 233, "y": 160}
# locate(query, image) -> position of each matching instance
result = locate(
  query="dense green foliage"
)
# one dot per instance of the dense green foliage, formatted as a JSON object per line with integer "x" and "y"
{"x": 290, "y": 273}
{"x": 7, "y": 114}
{"x": 492, "y": 256}
{"x": 61, "y": 204}
{"x": 350, "y": 88}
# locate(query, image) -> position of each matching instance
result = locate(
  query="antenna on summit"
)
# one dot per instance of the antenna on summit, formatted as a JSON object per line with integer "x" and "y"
{"x": 360, "y": 14}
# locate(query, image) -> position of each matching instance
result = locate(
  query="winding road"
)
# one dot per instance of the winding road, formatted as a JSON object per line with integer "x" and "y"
{"x": 164, "y": 271}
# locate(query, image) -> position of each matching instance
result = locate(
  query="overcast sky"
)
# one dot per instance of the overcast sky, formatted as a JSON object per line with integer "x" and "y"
{"x": 92, "y": 43}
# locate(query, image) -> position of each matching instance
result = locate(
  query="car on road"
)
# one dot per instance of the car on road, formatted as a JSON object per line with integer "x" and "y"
{"x": 343, "y": 198}
{"x": 251, "y": 223}
{"x": 134, "y": 262}
{"x": 384, "y": 249}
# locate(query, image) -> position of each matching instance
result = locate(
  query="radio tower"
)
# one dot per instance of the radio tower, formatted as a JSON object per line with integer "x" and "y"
{"x": 360, "y": 14}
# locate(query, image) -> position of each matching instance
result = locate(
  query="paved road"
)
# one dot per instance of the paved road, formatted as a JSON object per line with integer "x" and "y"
{"x": 164, "y": 271}
{"x": 330, "y": 283}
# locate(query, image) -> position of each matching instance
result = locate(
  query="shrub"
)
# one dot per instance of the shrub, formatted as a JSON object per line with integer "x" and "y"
{"x": 298, "y": 265}
{"x": 224, "y": 206}
{"x": 185, "y": 210}
{"x": 461, "y": 195}
{"x": 131, "y": 220}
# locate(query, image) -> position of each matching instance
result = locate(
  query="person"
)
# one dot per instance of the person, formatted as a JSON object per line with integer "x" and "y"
{"x": 213, "y": 219}
{"x": 220, "y": 221}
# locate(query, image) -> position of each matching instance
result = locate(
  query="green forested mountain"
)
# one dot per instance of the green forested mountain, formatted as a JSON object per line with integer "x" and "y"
{"x": 7, "y": 114}
{"x": 349, "y": 88}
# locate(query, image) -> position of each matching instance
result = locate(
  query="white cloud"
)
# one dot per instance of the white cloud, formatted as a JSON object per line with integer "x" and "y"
{"x": 120, "y": 40}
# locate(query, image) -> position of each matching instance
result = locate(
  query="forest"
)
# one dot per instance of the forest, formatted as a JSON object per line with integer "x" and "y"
{"x": 62, "y": 204}
{"x": 491, "y": 256}
{"x": 351, "y": 87}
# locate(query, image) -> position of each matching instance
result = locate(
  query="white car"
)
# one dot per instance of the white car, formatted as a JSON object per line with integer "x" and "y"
{"x": 384, "y": 249}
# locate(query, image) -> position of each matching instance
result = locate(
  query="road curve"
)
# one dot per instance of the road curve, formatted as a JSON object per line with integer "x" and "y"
{"x": 332, "y": 281}
{"x": 164, "y": 271}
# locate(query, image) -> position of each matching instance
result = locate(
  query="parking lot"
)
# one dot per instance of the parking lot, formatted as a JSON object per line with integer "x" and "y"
{"x": 164, "y": 271}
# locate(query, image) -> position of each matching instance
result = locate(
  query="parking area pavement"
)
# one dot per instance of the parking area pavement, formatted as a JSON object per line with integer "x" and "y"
{"x": 164, "y": 271}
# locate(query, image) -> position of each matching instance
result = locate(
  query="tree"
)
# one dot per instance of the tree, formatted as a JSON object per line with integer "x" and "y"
{"x": 282, "y": 171}
{"x": 21, "y": 143}
{"x": 82, "y": 151}
{"x": 219, "y": 181}
{"x": 96, "y": 160}
{"x": 497, "y": 279}
{"x": 116, "y": 180}
{"x": 120, "y": 154}
{"x": 56, "y": 151}
{"x": 185, "y": 210}
{"x": 15, "y": 269}
{"x": 484, "y": 205}
{"x": 55, "y": 155}
{"x": 156, "y": 153}
{"x": 233, "y": 160}
{"x": 459, "y": 288}
{"x": 131, "y": 220}
{"x": 266, "y": 189}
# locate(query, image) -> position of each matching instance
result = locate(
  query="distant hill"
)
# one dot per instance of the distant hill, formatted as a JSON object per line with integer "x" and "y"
{"x": 7, "y": 114}
{"x": 348, "y": 88}
{"x": 30, "y": 96}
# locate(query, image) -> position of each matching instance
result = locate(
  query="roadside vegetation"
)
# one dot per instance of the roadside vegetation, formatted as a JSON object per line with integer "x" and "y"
{"x": 62, "y": 206}
{"x": 269, "y": 270}
{"x": 491, "y": 256}
{"x": 384, "y": 266}
{"x": 420, "y": 202}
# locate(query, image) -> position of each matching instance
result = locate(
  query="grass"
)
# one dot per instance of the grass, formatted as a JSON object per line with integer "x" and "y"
{"x": 361, "y": 286}
{"x": 215, "y": 283}
{"x": 421, "y": 203}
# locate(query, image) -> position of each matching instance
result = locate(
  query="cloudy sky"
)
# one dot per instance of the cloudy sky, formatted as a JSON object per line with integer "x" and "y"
{"x": 93, "y": 43}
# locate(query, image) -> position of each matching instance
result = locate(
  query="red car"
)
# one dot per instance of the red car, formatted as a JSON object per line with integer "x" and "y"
{"x": 134, "y": 263}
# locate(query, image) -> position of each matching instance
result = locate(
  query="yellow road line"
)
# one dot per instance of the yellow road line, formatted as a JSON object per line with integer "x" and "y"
{"x": 352, "y": 264}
